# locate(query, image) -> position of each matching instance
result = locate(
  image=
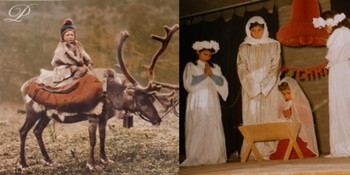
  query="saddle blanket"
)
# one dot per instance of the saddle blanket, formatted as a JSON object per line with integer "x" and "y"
{"x": 82, "y": 95}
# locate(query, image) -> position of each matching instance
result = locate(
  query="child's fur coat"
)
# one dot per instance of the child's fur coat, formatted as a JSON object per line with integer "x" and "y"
{"x": 70, "y": 62}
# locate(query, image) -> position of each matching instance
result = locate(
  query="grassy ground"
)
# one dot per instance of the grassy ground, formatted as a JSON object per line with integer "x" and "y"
{"x": 142, "y": 149}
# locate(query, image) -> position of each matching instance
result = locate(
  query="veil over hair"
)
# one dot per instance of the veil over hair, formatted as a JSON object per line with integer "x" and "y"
{"x": 301, "y": 113}
{"x": 264, "y": 39}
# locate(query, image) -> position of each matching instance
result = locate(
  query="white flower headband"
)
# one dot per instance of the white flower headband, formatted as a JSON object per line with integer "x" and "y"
{"x": 199, "y": 45}
{"x": 320, "y": 22}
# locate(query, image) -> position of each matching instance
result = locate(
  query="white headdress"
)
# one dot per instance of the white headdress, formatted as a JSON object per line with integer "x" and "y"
{"x": 320, "y": 22}
{"x": 265, "y": 37}
{"x": 199, "y": 45}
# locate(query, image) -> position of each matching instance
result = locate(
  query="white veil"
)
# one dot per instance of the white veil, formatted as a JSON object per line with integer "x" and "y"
{"x": 301, "y": 112}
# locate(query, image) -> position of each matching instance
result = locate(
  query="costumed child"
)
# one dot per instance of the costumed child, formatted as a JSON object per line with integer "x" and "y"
{"x": 338, "y": 56}
{"x": 70, "y": 60}
{"x": 71, "y": 86}
{"x": 204, "y": 133}
{"x": 258, "y": 66}
{"x": 294, "y": 106}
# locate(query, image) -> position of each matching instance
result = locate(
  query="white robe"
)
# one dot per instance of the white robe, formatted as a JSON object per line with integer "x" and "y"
{"x": 258, "y": 64}
{"x": 339, "y": 92}
{"x": 205, "y": 139}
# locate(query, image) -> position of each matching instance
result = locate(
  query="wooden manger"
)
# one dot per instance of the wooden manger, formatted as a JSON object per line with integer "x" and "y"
{"x": 270, "y": 132}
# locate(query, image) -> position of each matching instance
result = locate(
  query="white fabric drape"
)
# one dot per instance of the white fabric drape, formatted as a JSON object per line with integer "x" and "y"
{"x": 339, "y": 92}
{"x": 204, "y": 134}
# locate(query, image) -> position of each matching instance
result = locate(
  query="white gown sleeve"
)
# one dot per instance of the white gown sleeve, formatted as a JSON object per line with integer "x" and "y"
{"x": 245, "y": 75}
{"x": 223, "y": 89}
{"x": 270, "y": 79}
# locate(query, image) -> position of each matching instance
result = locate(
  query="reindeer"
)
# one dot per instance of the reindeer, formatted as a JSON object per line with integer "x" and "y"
{"x": 123, "y": 93}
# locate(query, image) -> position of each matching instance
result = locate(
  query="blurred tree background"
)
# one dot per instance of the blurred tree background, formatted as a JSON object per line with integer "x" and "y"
{"x": 28, "y": 46}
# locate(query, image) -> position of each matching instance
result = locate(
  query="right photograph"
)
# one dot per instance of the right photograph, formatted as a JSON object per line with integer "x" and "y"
{"x": 264, "y": 87}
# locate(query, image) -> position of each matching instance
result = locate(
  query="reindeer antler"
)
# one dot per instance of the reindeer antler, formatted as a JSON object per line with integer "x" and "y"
{"x": 167, "y": 100}
{"x": 165, "y": 41}
{"x": 124, "y": 35}
{"x": 171, "y": 99}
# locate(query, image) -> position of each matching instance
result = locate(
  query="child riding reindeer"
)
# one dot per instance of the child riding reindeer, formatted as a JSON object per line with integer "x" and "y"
{"x": 71, "y": 86}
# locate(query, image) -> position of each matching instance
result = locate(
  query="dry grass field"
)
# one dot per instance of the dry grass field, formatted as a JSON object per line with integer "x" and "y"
{"x": 141, "y": 149}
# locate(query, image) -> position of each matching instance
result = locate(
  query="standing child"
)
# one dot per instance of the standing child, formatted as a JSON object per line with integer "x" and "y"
{"x": 294, "y": 106}
{"x": 258, "y": 64}
{"x": 338, "y": 56}
{"x": 203, "y": 80}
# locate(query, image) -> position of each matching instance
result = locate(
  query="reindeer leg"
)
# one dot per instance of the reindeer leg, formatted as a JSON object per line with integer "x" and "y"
{"x": 102, "y": 131}
{"x": 92, "y": 134}
{"x": 31, "y": 119}
{"x": 38, "y": 131}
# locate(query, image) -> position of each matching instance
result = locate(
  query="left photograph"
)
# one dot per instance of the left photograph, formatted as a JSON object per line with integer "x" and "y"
{"x": 89, "y": 87}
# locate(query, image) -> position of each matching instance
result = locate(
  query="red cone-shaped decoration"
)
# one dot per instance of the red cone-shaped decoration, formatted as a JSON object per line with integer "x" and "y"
{"x": 300, "y": 31}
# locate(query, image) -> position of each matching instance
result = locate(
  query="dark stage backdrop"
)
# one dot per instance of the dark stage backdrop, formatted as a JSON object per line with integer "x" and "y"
{"x": 341, "y": 6}
{"x": 229, "y": 35}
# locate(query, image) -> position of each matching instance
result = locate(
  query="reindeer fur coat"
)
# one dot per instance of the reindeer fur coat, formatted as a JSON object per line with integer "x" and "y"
{"x": 70, "y": 62}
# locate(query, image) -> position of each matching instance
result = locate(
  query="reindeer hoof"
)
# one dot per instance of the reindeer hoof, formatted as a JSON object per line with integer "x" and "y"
{"x": 22, "y": 165}
{"x": 93, "y": 167}
{"x": 106, "y": 161}
{"x": 51, "y": 164}
{"x": 24, "y": 168}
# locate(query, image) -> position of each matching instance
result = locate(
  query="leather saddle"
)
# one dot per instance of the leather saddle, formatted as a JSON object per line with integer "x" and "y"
{"x": 82, "y": 95}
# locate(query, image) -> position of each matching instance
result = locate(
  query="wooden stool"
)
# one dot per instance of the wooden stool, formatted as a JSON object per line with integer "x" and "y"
{"x": 270, "y": 132}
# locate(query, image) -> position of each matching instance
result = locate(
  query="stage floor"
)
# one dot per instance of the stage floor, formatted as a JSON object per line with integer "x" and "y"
{"x": 314, "y": 166}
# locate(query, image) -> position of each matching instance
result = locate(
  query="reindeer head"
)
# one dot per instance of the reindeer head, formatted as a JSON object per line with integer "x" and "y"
{"x": 136, "y": 98}
{"x": 131, "y": 100}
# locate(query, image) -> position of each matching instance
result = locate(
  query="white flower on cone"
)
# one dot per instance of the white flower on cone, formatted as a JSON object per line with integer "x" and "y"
{"x": 320, "y": 22}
